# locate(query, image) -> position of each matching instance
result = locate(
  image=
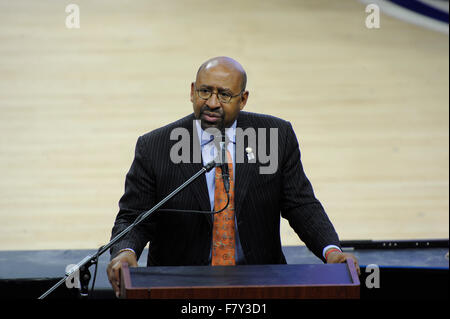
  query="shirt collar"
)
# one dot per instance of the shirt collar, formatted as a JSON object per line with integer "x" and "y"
{"x": 206, "y": 138}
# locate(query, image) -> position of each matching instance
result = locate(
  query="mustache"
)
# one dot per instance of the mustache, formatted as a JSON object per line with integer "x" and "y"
{"x": 208, "y": 111}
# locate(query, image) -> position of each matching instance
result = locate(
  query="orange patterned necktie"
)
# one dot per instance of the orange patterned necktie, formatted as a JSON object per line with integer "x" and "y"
{"x": 223, "y": 252}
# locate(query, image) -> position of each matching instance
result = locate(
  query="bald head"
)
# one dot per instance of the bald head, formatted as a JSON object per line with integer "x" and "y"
{"x": 218, "y": 93}
{"x": 226, "y": 63}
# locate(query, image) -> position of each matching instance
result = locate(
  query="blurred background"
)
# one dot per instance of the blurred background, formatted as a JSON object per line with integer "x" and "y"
{"x": 369, "y": 105}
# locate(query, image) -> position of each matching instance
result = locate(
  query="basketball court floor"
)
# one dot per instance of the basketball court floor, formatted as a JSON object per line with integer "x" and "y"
{"x": 370, "y": 107}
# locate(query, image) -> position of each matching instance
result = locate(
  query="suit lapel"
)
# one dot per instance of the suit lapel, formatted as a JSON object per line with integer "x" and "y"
{"x": 245, "y": 171}
{"x": 198, "y": 188}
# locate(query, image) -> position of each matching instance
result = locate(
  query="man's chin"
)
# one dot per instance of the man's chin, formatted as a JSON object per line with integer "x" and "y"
{"x": 206, "y": 125}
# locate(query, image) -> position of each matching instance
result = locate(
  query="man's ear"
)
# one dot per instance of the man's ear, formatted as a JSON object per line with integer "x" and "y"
{"x": 192, "y": 91}
{"x": 244, "y": 99}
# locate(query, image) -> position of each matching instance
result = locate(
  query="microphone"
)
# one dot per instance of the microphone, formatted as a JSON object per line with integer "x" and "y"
{"x": 224, "y": 166}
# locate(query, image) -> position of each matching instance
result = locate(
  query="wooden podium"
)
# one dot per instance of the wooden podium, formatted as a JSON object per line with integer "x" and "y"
{"x": 316, "y": 281}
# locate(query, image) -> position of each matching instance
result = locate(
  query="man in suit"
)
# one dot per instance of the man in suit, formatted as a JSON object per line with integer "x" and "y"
{"x": 248, "y": 230}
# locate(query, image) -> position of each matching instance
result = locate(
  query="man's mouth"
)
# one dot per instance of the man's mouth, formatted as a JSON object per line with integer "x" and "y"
{"x": 210, "y": 117}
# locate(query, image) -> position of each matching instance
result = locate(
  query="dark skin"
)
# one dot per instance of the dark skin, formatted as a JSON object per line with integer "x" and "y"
{"x": 219, "y": 74}
{"x": 337, "y": 257}
{"x": 115, "y": 266}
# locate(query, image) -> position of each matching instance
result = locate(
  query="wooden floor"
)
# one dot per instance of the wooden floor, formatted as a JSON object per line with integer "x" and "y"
{"x": 370, "y": 108}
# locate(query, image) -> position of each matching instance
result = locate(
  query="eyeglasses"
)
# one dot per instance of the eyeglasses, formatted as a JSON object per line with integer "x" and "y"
{"x": 224, "y": 97}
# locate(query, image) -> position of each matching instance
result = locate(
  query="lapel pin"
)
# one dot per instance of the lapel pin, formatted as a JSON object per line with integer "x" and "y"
{"x": 250, "y": 155}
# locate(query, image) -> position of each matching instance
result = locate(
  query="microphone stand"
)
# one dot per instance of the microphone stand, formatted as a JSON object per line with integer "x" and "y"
{"x": 224, "y": 162}
{"x": 85, "y": 263}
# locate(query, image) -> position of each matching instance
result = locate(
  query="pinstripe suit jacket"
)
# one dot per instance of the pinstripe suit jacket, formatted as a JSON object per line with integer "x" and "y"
{"x": 185, "y": 238}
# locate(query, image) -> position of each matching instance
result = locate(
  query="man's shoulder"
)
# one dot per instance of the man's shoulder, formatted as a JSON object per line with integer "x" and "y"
{"x": 166, "y": 130}
{"x": 251, "y": 119}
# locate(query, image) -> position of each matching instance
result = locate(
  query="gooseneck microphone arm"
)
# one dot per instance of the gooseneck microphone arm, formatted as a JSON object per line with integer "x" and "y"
{"x": 85, "y": 263}
{"x": 224, "y": 166}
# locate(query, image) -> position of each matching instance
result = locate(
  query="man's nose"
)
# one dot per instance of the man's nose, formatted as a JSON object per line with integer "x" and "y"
{"x": 213, "y": 101}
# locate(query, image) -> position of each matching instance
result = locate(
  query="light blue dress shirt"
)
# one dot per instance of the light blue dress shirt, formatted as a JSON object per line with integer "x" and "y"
{"x": 209, "y": 152}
